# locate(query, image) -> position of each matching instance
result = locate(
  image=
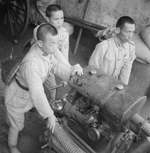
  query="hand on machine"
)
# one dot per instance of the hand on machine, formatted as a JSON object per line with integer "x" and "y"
{"x": 77, "y": 69}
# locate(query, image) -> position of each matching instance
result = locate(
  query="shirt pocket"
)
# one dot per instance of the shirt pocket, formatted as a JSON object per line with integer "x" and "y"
{"x": 109, "y": 56}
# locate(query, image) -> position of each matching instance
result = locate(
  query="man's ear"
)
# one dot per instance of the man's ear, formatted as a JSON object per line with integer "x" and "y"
{"x": 40, "y": 43}
{"x": 117, "y": 30}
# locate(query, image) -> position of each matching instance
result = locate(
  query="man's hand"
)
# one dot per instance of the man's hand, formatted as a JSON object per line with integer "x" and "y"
{"x": 77, "y": 69}
{"x": 51, "y": 123}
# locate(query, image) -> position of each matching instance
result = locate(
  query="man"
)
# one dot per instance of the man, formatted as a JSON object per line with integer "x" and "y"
{"x": 55, "y": 16}
{"x": 26, "y": 90}
{"x": 115, "y": 55}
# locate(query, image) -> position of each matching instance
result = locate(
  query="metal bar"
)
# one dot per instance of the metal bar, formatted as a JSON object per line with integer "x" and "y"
{"x": 63, "y": 84}
{"x": 78, "y": 140}
{"x": 85, "y": 24}
{"x": 140, "y": 122}
{"x": 64, "y": 139}
{"x": 81, "y": 29}
{"x": 78, "y": 41}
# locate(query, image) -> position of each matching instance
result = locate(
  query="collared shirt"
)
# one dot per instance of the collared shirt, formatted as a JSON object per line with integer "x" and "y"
{"x": 63, "y": 42}
{"x": 114, "y": 58}
{"x": 33, "y": 72}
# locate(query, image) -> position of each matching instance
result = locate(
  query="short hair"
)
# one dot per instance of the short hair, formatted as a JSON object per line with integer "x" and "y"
{"x": 52, "y": 8}
{"x": 124, "y": 19}
{"x": 45, "y": 28}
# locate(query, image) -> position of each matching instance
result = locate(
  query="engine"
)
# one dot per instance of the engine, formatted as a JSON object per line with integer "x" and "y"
{"x": 100, "y": 116}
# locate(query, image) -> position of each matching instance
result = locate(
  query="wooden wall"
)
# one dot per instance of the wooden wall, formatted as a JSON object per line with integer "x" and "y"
{"x": 106, "y": 12}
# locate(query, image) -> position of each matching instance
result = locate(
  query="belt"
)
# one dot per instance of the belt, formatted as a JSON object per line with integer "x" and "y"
{"x": 20, "y": 85}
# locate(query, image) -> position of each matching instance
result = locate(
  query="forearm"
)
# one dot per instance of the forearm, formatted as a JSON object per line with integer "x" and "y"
{"x": 41, "y": 103}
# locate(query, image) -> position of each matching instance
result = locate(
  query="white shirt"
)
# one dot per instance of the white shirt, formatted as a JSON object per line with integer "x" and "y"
{"x": 114, "y": 58}
{"x": 63, "y": 42}
{"x": 32, "y": 73}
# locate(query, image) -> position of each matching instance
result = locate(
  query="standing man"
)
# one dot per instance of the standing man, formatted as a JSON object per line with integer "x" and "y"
{"x": 115, "y": 56}
{"x": 27, "y": 91}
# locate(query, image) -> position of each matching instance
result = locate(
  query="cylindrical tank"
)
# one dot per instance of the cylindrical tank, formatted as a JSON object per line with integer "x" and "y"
{"x": 117, "y": 105}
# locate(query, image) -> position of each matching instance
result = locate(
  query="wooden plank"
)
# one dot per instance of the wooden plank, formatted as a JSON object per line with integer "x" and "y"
{"x": 84, "y": 24}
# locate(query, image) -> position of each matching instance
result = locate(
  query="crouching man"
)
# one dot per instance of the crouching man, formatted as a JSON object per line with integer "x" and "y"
{"x": 26, "y": 90}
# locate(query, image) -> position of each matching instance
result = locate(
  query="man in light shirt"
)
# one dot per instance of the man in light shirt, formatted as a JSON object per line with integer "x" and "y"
{"x": 115, "y": 55}
{"x": 26, "y": 90}
{"x": 55, "y": 16}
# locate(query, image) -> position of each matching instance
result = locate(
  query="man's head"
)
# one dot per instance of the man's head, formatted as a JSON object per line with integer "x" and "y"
{"x": 126, "y": 27}
{"x": 47, "y": 38}
{"x": 55, "y": 15}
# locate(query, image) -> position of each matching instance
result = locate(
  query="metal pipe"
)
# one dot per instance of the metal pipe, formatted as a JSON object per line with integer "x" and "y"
{"x": 140, "y": 123}
{"x": 65, "y": 140}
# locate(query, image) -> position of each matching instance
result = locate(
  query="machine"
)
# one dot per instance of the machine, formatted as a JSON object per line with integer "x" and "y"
{"x": 98, "y": 115}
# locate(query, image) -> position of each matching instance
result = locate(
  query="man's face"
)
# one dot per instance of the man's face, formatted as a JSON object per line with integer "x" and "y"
{"x": 49, "y": 44}
{"x": 57, "y": 19}
{"x": 126, "y": 32}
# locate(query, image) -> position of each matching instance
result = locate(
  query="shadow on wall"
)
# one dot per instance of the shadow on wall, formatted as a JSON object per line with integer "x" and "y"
{"x": 148, "y": 92}
{"x": 139, "y": 80}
